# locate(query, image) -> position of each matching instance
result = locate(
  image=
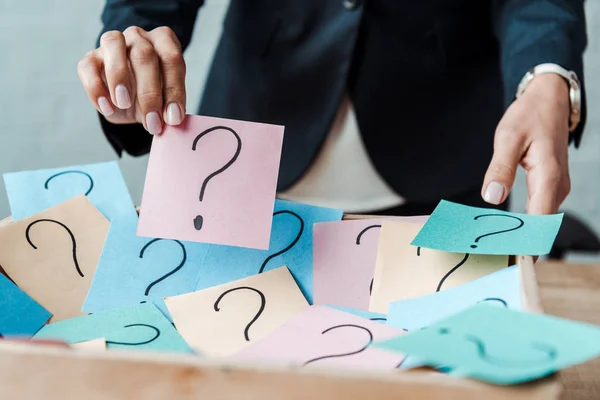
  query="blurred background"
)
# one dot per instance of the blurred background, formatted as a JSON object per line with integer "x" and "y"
{"x": 47, "y": 121}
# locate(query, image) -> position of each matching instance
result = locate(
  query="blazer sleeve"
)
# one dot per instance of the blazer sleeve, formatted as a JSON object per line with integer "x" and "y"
{"x": 180, "y": 16}
{"x": 532, "y": 32}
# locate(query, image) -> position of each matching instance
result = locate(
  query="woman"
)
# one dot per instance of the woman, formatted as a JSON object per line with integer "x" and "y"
{"x": 389, "y": 106}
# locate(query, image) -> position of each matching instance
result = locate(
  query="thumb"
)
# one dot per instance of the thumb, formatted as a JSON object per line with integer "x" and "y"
{"x": 500, "y": 175}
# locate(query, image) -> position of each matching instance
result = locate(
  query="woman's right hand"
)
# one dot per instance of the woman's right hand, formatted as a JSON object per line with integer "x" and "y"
{"x": 137, "y": 76}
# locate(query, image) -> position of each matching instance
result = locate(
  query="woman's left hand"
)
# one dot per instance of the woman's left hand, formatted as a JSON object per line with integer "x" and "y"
{"x": 533, "y": 133}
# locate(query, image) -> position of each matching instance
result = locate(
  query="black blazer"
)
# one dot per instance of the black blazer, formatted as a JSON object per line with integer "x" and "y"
{"x": 429, "y": 79}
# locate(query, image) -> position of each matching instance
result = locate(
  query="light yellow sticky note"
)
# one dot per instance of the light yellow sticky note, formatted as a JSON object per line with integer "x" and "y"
{"x": 53, "y": 255}
{"x": 403, "y": 271}
{"x": 91, "y": 345}
{"x": 222, "y": 320}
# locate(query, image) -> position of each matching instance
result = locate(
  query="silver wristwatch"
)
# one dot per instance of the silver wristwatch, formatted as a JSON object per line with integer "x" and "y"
{"x": 574, "y": 88}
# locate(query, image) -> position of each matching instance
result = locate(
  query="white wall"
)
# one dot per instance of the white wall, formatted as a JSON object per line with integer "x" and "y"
{"x": 47, "y": 121}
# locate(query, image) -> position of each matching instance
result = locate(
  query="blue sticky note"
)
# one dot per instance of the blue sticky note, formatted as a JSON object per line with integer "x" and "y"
{"x": 30, "y": 192}
{"x": 290, "y": 246}
{"x": 134, "y": 269}
{"x": 501, "y": 288}
{"x": 20, "y": 315}
{"x": 362, "y": 313}
{"x": 142, "y": 327}
{"x": 462, "y": 229}
{"x": 500, "y": 345}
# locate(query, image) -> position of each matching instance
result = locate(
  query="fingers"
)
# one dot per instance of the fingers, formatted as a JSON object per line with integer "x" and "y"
{"x": 172, "y": 67}
{"x": 500, "y": 176}
{"x": 548, "y": 185}
{"x": 89, "y": 70}
{"x": 116, "y": 69}
{"x": 146, "y": 71}
{"x": 138, "y": 76}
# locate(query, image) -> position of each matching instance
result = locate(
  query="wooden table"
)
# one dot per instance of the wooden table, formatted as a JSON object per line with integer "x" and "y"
{"x": 573, "y": 291}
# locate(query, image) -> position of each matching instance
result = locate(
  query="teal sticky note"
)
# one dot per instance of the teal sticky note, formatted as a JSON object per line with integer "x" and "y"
{"x": 20, "y": 315}
{"x": 500, "y": 345}
{"x": 30, "y": 192}
{"x": 290, "y": 245}
{"x": 462, "y": 229}
{"x": 142, "y": 327}
{"x": 135, "y": 269}
{"x": 362, "y": 313}
{"x": 501, "y": 288}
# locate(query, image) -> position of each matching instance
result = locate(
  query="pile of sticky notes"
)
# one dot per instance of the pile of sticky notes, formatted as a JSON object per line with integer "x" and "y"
{"x": 216, "y": 267}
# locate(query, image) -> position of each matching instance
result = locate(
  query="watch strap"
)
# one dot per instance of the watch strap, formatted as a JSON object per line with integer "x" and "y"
{"x": 569, "y": 76}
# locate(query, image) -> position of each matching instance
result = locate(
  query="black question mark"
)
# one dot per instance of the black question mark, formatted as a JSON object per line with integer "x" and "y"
{"x": 263, "y": 303}
{"x": 344, "y": 354}
{"x": 457, "y": 266}
{"x": 199, "y": 220}
{"x": 70, "y": 234}
{"x": 162, "y": 278}
{"x": 521, "y": 223}
{"x": 550, "y": 352}
{"x": 72, "y": 172}
{"x": 264, "y": 264}
{"x": 156, "y": 335}
{"x": 358, "y": 243}
{"x": 499, "y": 300}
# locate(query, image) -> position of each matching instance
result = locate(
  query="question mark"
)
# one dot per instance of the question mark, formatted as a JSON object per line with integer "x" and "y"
{"x": 457, "y": 266}
{"x": 358, "y": 243}
{"x": 72, "y": 172}
{"x": 499, "y": 300}
{"x": 70, "y": 234}
{"x": 162, "y": 278}
{"x": 550, "y": 352}
{"x": 199, "y": 220}
{"x": 263, "y": 303}
{"x": 521, "y": 223}
{"x": 344, "y": 354}
{"x": 264, "y": 264}
{"x": 156, "y": 335}
{"x": 364, "y": 231}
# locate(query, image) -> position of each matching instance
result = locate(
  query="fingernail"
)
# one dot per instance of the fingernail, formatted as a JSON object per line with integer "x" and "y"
{"x": 153, "y": 123}
{"x": 122, "y": 95}
{"x": 105, "y": 106}
{"x": 494, "y": 193}
{"x": 173, "y": 114}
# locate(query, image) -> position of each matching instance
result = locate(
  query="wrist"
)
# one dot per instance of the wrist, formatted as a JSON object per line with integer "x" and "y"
{"x": 551, "y": 83}
{"x": 552, "y": 88}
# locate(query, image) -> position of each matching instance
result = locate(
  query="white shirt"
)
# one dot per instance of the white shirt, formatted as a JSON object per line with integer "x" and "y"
{"x": 342, "y": 175}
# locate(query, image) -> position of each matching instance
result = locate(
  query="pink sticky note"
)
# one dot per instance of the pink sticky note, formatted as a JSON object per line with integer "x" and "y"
{"x": 344, "y": 256}
{"x": 212, "y": 180}
{"x": 323, "y": 336}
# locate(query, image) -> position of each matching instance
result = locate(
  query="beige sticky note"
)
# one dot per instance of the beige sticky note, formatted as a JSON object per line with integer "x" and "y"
{"x": 222, "y": 320}
{"x": 91, "y": 345}
{"x": 53, "y": 255}
{"x": 403, "y": 271}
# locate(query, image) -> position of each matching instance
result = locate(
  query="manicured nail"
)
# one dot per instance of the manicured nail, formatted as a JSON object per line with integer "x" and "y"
{"x": 494, "y": 193}
{"x": 173, "y": 114}
{"x": 122, "y": 95}
{"x": 105, "y": 106}
{"x": 153, "y": 123}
